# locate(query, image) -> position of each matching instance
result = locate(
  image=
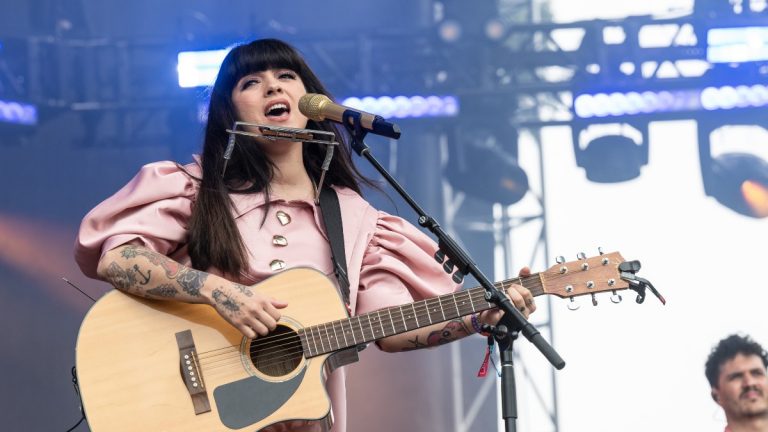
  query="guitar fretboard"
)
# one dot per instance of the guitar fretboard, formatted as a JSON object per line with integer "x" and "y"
{"x": 365, "y": 328}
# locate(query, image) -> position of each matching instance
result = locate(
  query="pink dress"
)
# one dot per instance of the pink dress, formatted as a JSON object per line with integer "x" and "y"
{"x": 389, "y": 260}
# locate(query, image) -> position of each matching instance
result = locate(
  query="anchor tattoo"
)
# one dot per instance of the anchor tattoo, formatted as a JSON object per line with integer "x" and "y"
{"x": 146, "y": 278}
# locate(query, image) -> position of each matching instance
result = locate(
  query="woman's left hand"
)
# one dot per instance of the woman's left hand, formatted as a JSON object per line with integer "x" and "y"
{"x": 521, "y": 297}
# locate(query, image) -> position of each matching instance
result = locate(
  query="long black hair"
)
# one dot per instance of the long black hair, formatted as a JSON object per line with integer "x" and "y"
{"x": 214, "y": 240}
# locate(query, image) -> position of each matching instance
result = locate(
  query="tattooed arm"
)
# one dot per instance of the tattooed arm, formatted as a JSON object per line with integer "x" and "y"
{"x": 428, "y": 337}
{"x": 449, "y": 331}
{"x": 145, "y": 273}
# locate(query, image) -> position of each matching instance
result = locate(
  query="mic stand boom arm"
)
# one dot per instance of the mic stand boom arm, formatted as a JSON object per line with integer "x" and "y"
{"x": 448, "y": 247}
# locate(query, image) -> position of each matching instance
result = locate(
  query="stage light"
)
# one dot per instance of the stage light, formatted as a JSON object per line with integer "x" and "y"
{"x": 199, "y": 68}
{"x": 621, "y": 104}
{"x": 611, "y": 158}
{"x": 728, "y": 97}
{"x": 737, "y": 45}
{"x": 18, "y": 113}
{"x": 756, "y": 196}
{"x": 449, "y": 31}
{"x": 666, "y": 101}
{"x": 483, "y": 168}
{"x": 495, "y": 29}
{"x": 738, "y": 181}
{"x": 406, "y": 106}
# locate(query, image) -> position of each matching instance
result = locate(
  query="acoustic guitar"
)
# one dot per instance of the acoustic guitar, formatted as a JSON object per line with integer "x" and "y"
{"x": 150, "y": 365}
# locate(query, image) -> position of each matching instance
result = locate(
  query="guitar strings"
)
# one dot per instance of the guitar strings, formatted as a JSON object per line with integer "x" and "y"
{"x": 290, "y": 354}
{"x": 292, "y": 348}
{"x": 292, "y": 344}
{"x": 426, "y": 305}
{"x": 339, "y": 324}
{"x": 531, "y": 282}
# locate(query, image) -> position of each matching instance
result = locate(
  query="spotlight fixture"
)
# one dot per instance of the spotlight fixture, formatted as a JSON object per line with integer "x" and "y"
{"x": 483, "y": 168}
{"x": 738, "y": 181}
{"x": 612, "y": 158}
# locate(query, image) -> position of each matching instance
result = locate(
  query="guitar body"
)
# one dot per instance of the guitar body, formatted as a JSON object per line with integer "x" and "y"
{"x": 133, "y": 376}
{"x": 165, "y": 366}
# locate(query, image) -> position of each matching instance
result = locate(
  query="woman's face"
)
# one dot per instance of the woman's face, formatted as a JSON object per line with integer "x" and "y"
{"x": 270, "y": 97}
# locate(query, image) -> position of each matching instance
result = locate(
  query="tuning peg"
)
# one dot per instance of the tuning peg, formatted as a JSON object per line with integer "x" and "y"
{"x": 572, "y": 305}
{"x": 594, "y": 299}
{"x": 600, "y": 250}
{"x": 560, "y": 259}
{"x": 581, "y": 256}
{"x": 616, "y": 298}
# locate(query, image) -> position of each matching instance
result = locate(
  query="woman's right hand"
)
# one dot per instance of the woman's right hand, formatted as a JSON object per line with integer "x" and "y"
{"x": 252, "y": 313}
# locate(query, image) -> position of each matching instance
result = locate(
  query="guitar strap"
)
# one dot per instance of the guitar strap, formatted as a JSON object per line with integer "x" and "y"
{"x": 329, "y": 208}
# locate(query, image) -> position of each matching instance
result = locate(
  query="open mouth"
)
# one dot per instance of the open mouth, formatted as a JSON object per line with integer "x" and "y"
{"x": 277, "y": 110}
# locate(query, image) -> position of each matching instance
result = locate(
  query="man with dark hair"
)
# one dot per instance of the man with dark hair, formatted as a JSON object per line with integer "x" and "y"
{"x": 736, "y": 370}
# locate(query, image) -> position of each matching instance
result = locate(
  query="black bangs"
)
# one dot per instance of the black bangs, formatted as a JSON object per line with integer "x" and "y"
{"x": 262, "y": 55}
{"x": 258, "y": 56}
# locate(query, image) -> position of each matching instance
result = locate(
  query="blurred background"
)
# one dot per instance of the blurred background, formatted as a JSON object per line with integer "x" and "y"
{"x": 531, "y": 129}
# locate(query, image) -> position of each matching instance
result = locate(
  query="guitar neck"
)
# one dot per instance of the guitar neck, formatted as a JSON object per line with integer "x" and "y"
{"x": 372, "y": 326}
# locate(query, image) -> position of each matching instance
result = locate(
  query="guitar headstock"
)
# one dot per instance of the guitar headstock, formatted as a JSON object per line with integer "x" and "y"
{"x": 584, "y": 276}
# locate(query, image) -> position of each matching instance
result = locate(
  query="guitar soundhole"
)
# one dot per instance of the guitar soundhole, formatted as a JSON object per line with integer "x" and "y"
{"x": 278, "y": 353}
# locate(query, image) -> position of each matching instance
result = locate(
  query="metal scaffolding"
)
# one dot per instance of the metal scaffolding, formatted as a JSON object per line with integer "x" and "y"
{"x": 516, "y": 237}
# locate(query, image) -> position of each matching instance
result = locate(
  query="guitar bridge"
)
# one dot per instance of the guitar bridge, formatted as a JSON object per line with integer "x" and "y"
{"x": 191, "y": 374}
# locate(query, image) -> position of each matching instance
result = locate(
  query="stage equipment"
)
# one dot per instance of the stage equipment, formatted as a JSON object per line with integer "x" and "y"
{"x": 736, "y": 179}
{"x": 614, "y": 157}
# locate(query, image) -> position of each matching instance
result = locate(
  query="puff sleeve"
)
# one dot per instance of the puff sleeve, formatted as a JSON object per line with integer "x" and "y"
{"x": 398, "y": 267}
{"x": 152, "y": 210}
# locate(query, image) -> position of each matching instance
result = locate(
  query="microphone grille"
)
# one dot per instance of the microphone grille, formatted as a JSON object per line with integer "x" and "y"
{"x": 311, "y": 105}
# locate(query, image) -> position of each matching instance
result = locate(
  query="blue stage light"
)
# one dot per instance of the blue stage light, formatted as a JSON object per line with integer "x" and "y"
{"x": 18, "y": 113}
{"x": 405, "y": 106}
{"x": 199, "y": 68}
{"x": 729, "y": 97}
{"x": 666, "y": 101}
{"x": 737, "y": 45}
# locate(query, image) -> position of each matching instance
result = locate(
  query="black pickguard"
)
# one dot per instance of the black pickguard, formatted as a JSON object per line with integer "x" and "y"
{"x": 245, "y": 402}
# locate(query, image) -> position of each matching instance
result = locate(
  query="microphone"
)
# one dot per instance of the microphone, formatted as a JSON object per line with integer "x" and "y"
{"x": 319, "y": 107}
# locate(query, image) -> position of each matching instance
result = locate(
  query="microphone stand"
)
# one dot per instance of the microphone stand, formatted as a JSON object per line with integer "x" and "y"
{"x": 505, "y": 338}
{"x": 458, "y": 258}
